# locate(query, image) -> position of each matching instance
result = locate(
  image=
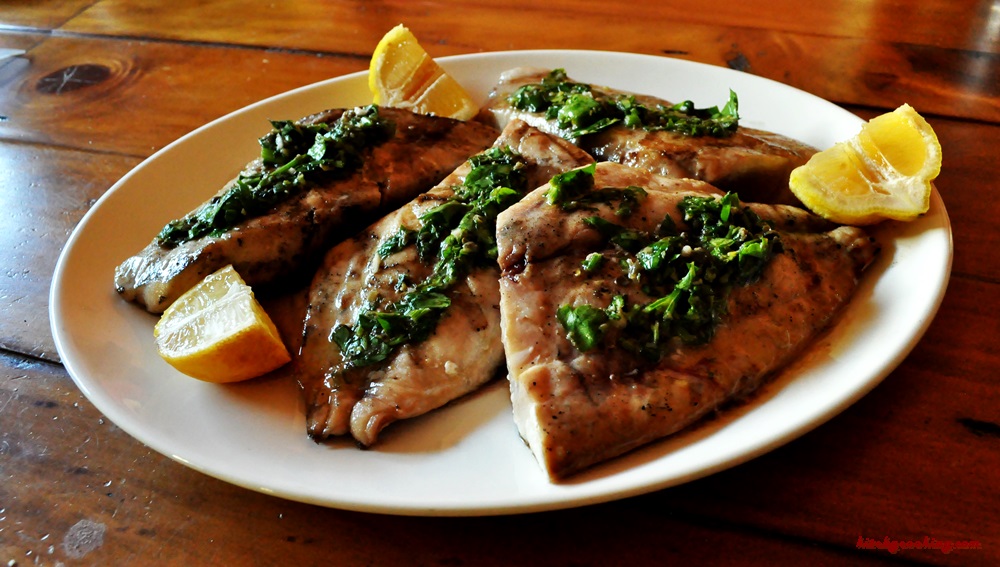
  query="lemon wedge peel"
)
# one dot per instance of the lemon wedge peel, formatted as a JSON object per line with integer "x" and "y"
{"x": 218, "y": 332}
{"x": 403, "y": 75}
{"x": 886, "y": 171}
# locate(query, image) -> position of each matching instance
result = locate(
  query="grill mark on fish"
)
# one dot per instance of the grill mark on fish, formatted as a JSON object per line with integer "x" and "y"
{"x": 282, "y": 248}
{"x": 577, "y": 409}
{"x": 752, "y": 162}
{"x": 464, "y": 351}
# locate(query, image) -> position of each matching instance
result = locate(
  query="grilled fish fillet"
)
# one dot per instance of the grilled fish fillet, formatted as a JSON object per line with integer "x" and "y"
{"x": 284, "y": 243}
{"x": 464, "y": 351}
{"x": 576, "y": 409}
{"x": 754, "y": 163}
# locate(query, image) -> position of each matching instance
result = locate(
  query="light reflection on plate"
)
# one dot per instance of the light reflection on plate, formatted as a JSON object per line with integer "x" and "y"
{"x": 467, "y": 458}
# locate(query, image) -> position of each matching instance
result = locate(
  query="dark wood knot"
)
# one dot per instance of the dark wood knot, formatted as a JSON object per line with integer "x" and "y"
{"x": 73, "y": 78}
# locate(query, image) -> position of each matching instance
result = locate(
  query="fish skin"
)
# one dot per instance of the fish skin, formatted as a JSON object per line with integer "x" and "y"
{"x": 752, "y": 162}
{"x": 462, "y": 354}
{"x": 282, "y": 246}
{"x": 578, "y": 409}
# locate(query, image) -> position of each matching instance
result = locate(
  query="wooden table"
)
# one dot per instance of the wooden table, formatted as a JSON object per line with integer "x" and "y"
{"x": 103, "y": 84}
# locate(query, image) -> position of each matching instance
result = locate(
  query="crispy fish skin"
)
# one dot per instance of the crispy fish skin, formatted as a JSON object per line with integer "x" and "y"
{"x": 281, "y": 245}
{"x": 463, "y": 353}
{"x": 752, "y": 162}
{"x": 578, "y": 409}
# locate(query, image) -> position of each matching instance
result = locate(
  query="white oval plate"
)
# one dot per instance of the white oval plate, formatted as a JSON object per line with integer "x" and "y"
{"x": 466, "y": 459}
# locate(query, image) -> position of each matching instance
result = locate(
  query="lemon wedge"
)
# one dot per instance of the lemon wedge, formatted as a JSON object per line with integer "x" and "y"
{"x": 403, "y": 75}
{"x": 218, "y": 332}
{"x": 884, "y": 172}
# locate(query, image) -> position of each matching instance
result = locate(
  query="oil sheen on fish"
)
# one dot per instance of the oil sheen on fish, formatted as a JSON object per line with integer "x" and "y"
{"x": 377, "y": 276}
{"x": 580, "y": 405}
{"x": 286, "y": 241}
{"x": 752, "y": 162}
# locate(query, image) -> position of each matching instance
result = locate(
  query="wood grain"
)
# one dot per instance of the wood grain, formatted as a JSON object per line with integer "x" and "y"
{"x": 23, "y": 41}
{"x": 276, "y": 24}
{"x": 70, "y": 83}
{"x": 134, "y": 97}
{"x": 858, "y": 475}
{"x": 105, "y": 83}
{"x": 871, "y": 54}
{"x": 33, "y": 14}
{"x": 44, "y": 191}
{"x": 968, "y": 177}
{"x": 915, "y": 457}
{"x": 64, "y": 183}
{"x": 78, "y": 490}
{"x": 968, "y": 170}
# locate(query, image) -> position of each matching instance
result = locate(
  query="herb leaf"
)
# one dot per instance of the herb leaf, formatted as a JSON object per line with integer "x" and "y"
{"x": 574, "y": 190}
{"x": 396, "y": 242}
{"x": 592, "y": 262}
{"x": 586, "y": 325}
{"x": 583, "y": 324}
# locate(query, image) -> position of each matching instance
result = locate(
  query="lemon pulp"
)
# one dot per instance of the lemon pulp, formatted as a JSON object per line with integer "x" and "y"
{"x": 218, "y": 332}
{"x": 884, "y": 172}
{"x": 403, "y": 75}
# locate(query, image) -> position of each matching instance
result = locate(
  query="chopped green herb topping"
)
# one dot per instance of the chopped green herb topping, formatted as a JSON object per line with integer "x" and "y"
{"x": 295, "y": 157}
{"x": 579, "y": 110}
{"x": 624, "y": 238}
{"x": 458, "y": 235}
{"x": 592, "y": 262}
{"x": 396, "y": 242}
{"x": 574, "y": 190}
{"x": 688, "y": 274}
{"x": 586, "y": 325}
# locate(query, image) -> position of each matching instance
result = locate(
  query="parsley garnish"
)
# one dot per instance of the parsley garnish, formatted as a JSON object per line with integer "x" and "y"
{"x": 579, "y": 110}
{"x": 687, "y": 273}
{"x": 294, "y": 157}
{"x": 458, "y": 235}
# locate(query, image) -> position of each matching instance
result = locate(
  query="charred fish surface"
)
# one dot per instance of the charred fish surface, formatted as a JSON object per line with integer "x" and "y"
{"x": 404, "y": 317}
{"x": 708, "y": 146}
{"x": 285, "y": 239}
{"x": 622, "y": 327}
